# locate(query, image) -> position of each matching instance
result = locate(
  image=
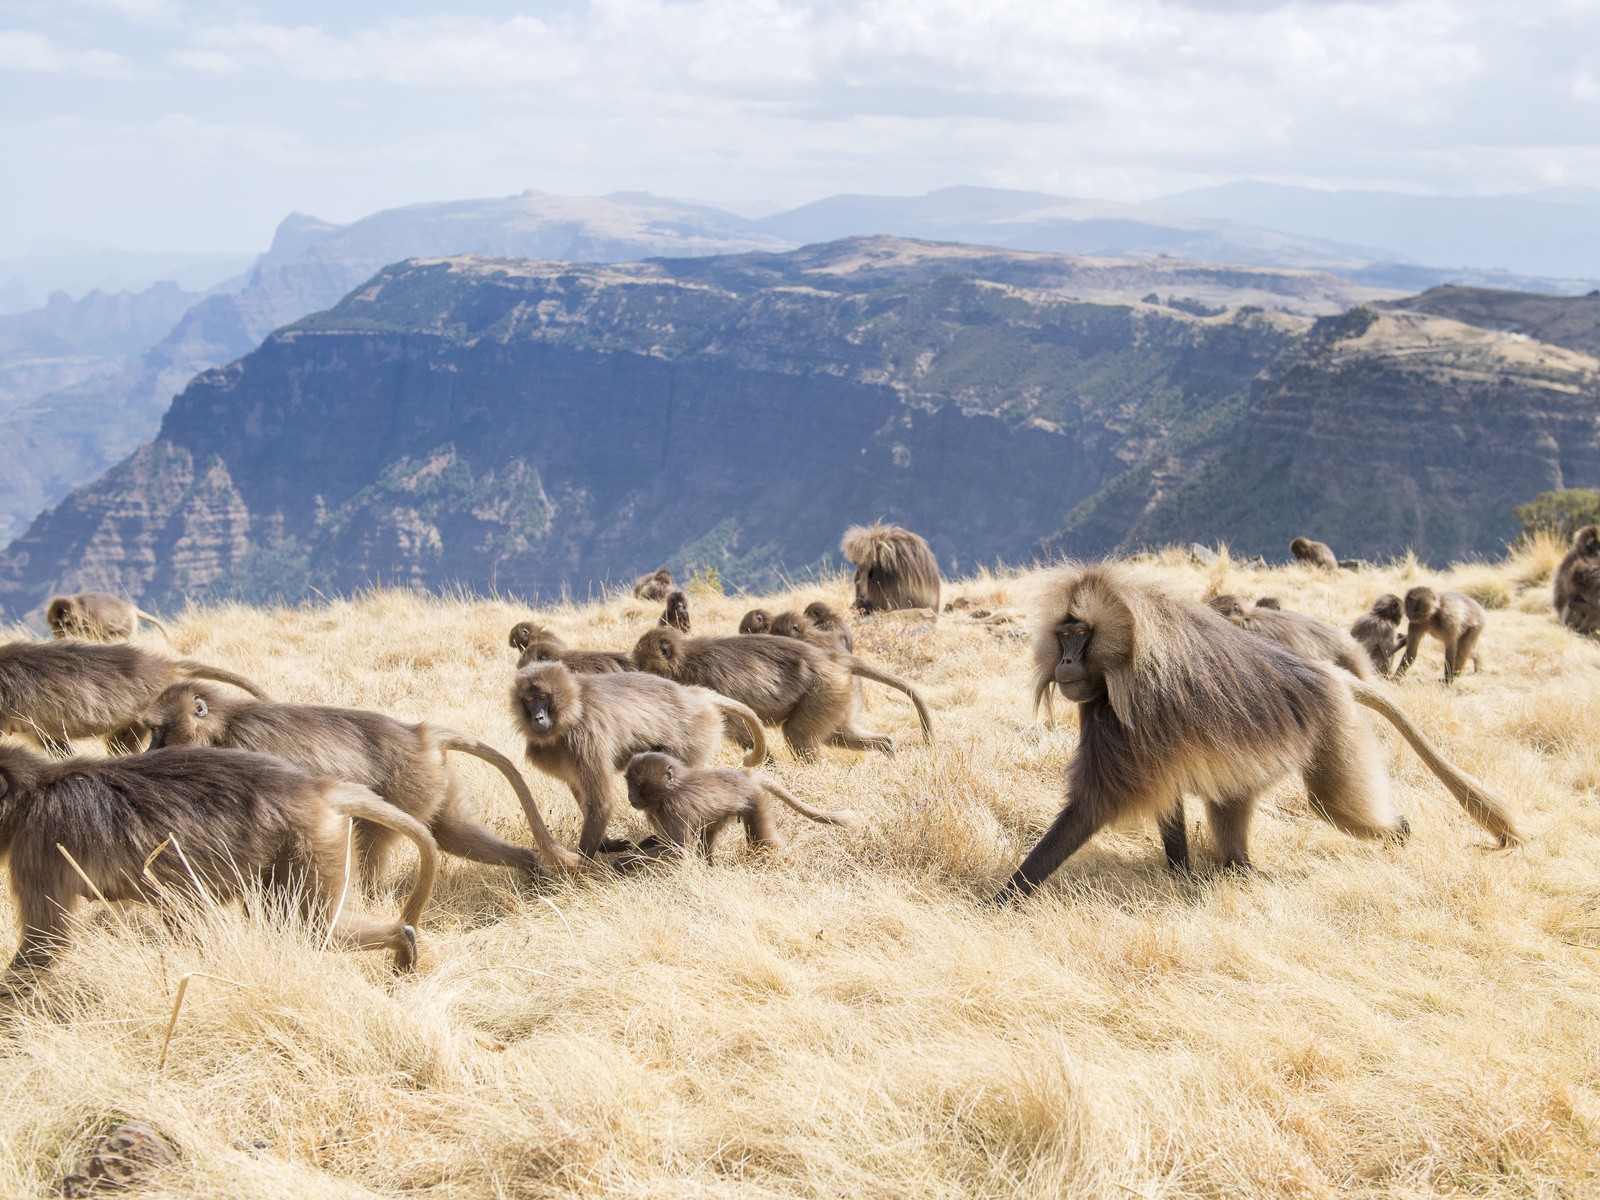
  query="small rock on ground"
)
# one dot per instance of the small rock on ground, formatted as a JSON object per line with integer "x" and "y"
{"x": 128, "y": 1156}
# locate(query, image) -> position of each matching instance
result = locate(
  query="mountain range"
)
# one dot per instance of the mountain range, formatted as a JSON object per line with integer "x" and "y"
{"x": 545, "y": 427}
{"x": 70, "y": 411}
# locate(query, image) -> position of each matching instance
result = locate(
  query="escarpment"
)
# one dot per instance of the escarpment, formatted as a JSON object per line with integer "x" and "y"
{"x": 541, "y": 427}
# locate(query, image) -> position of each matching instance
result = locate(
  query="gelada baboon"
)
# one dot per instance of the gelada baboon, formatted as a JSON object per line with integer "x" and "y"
{"x": 1172, "y": 699}
{"x": 1269, "y": 602}
{"x": 1378, "y": 631}
{"x": 539, "y": 644}
{"x": 1584, "y": 554}
{"x": 1454, "y": 618}
{"x": 1305, "y": 635}
{"x": 790, "y": 624}
{"x": 523, "y": 633}
{"x": 677, "y": 611}
{"x": 895, "y": 568}
{"x": 831, "y": 632}
{"x": 581, "y": 729}
{"x": 688, "y": 807}
{"x": 757, "y": 620}
{"x": 404, "y": 764}
{"x": 1582, "y": 611}
{"x": 654, "y": 586}
{"x": 785, "y": 681}
{"x": 829, "y": 620}
{"x": 98, "y": 616}
{"x": 53, "y": 692}
{"x": 239, "y": 818}
{"x": 1317, "y": 554}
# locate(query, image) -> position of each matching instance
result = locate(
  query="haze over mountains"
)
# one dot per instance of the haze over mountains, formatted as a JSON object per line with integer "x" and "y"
{"x": 1554, "y": 232}
{"x": 28, "y": 281}
{"x": 69, "y": 410}
{"x": 540, "y": 426}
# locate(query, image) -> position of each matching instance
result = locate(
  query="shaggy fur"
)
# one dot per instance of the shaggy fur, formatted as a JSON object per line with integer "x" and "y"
{"x": 677, "y": 611}
{"x": 1455, "y": 618}
{"x": 98, "y": 616}
{"x": 1305, "y": 635}
{"x": 1174, "y": 699}
{"x": 895, "y": 568}
{"x": 405, "y": 764}
{"x": 1378, "y": 632}
{"x": 53, "y": 692}
{"x": 786, "y": 682}
{"x": 1576, "y": 608}
{"x": 1318, "y": 554}
{"x": 826, "y": 619}
{"x": 582, "y": 729}
{"x": 238, "y": 817}
{"x": 1582, "y": 611}
{"x": 539, "y": 644}
{"x": 523, "y": 633}
{"x": 690, "y": 807}
{"x": 655, "y": 585}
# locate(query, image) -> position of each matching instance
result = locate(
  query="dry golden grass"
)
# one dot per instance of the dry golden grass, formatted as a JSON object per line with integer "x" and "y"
{"x": 847, "y": 1018}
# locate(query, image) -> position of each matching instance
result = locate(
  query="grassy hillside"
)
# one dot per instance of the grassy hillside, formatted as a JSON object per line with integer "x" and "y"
{"x": 846, "y": 1018}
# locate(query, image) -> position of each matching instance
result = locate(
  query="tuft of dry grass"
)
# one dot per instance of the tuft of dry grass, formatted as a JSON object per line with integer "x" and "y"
{"x": 848, "y": 1017}
{"x": 1535, "y": 557}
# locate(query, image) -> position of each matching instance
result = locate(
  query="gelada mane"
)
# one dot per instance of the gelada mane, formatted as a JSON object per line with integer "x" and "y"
{"x": 888, "y": 547}
{"x": 1184, "y": 663}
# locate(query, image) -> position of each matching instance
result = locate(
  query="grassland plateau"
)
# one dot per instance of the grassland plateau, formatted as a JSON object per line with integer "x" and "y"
{"x": 847, "y": 1017}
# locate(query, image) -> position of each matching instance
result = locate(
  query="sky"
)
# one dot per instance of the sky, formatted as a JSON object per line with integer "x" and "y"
{"x": 159, "y": 124}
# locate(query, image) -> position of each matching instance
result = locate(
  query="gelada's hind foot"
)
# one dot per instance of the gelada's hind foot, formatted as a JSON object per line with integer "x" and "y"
{"x": 405, "y": 951}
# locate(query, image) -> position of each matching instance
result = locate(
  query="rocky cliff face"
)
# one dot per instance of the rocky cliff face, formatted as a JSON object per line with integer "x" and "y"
{"x": 71, "y": 418}
{"x": 539, "y": 427}
{"x": 67, "y": 350}
{"x": 1381, "y": 431}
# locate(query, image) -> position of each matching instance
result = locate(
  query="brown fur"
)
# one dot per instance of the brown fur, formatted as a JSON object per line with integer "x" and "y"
{"x": 1575, "y": 608}
{"x": 757, "y": 620}
{"x": 1318, "y": 554}
{"x": 1378, "y": 632}
{"x": 238, "y": 817}
{"x": 1306, "y": 636}
{"x": 1582, "y": 610}
{"x": 833, "y": 634}
{"x": 790, "y": 624}
{"x": 541, "y": 645}
{"x": 405, "y": 764}
{"x": 1173, "y": 699}
{"x": 56, "y": 691}
{"x": 581, "y": 729}
{"x": 1271, "y": 602}
{"x": 895, "y": 568}
{"x": 655, "y": 585}
{"x": 97, "y": 616}
{"x": 525, "y": 633}
{"x": 677, "y": 611}
{"x": 690, "y": 807}
{"x": 826, "y": 619}
{"x": 785, "y": 681}
{"x": 1454, "y": 618}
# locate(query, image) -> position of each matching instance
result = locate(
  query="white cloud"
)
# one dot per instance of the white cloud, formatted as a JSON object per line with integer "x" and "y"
{"x": 441, "y": 51}
{"x": 24, "y": 50}
{"x": 792, "y": 99}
